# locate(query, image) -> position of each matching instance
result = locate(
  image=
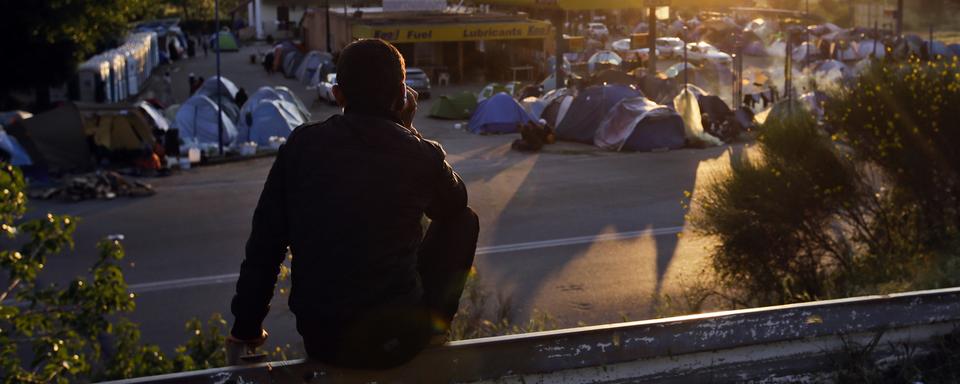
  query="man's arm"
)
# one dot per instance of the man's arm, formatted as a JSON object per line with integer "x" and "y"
{"x": 266, "y": 248}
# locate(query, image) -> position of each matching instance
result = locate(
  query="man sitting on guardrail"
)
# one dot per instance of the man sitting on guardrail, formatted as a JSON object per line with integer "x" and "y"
{"x": 369, "y": 288}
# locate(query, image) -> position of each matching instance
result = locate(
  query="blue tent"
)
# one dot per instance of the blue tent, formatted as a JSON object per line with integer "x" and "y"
{"x": 197, "y": 121}
{"x": 498, "y": 114}
{"x": 638, "y": 124}
{"x": 271, "y": 118}
{"x": 10, "y": 145}
{"x": 589, "y": 108}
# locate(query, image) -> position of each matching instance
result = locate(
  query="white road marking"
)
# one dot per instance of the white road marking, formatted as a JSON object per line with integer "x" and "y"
{"x": 232, "y": 277}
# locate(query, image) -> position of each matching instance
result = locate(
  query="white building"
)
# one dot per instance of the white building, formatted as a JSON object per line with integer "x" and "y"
{"x": 879, "y": 13}
{"x": 275, "y": 17}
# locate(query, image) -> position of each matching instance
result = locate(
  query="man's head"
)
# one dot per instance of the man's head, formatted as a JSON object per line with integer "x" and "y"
{"x": 370, "y": 77}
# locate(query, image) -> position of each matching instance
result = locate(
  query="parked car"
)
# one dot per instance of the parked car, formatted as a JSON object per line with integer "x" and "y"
{"x": 701, "y": 52}
{"x": 668, "y": 47}
{"x": 325, "y": 88}
{"x": 419, "y": 81}
{"x": 598, "y": 31}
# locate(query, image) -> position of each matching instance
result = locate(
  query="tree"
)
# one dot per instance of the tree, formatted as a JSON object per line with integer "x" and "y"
{"x": 46, "y": 40}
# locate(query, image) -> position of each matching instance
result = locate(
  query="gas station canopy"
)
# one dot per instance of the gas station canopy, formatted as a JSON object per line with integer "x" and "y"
{"x": 580, "y": 5}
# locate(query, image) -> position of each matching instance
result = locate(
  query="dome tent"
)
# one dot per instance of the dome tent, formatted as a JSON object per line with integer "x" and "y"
{"x": 557, "y": 103}
{"x": 287, "y": 95}
{"x": 246, "y": 111}
{"x": 454, "y": 107}
{"x": 589, "y": 108}
{"x": 638, "y": 124}
{"x": 197, "y": 121}
{"x": 498, "y": 114}
{"x": 271, "y": 118}
{"x": 228, "y": 42}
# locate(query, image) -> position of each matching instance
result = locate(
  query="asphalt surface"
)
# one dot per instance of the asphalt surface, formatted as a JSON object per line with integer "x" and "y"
{"x": 587, "y": 236}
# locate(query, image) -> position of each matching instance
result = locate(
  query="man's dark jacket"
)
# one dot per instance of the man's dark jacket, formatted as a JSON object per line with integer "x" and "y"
{"x": 347, "y": 196}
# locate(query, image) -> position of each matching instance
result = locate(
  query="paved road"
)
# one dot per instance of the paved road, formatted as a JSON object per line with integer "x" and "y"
{"x": 584, "y": 235}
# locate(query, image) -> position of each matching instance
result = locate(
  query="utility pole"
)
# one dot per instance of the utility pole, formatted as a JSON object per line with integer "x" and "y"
{"x": 326, "y": 7}
{"x": 899, "y": 17}
{"x": 558, "y": 75}
{"x": 652, "y": 42}
{"x": 220, "y": 87}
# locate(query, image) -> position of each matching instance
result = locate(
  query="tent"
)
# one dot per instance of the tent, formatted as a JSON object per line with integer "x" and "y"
{"x": 557, "y": 109}
{"x": 291, "y": 61}
{"x": 494, "y": 88}
{"x": 197, "y": 121}
{"x": 287, "y": 95}
{"x": 498, "y": 114}
{"x": 271, "y": 118}
{"x": 866, "y": 48}
{"x": 455, "y": 107}
{"x": 534, "y": 106}
{"x": 153, "y": 116}
{"x": 228, "y": 42}
{"x": 56, "y": 137}
{"x": 638, "y": 124}
{"x": 117, "y": 127}
{"x": 589, "y": 108}
{"x": 228, "y": 90}
{"x": 246, "y": 111}
{"x": 612, "y": 76}
{"x": 311, "y": 64}
{"x": 550, "y": 83}
{"x": 603, "y": 59}
{"x": 688, "y": 107}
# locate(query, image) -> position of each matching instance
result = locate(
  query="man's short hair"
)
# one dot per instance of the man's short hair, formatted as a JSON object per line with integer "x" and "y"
{"x": 371, "y": 72}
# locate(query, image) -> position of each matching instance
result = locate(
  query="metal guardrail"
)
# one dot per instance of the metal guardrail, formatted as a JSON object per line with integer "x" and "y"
{"x": 782, "y": 343}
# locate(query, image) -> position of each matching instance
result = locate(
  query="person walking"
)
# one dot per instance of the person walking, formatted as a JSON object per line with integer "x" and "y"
{"x": 372, "y": 284}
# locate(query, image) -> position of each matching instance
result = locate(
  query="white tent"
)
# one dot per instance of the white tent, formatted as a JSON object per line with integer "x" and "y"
{"x": 197, "y": 121}
{"x": 603, "y": 58}
{"x": 688, "y": 107}
{"x": 866, "y": 48}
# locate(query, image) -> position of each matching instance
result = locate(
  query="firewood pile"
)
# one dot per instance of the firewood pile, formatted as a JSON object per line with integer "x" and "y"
{"x": 98, "y": 185}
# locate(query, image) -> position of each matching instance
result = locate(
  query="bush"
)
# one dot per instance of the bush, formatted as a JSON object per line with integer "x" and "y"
{"x": 872, "y": 209}
{"x": 76, "y": 332}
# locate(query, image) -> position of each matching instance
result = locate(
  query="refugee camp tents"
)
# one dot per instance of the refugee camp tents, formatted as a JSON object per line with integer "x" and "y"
{"x": 311, "y": 64}
{"x": 454, "y": 107}
{"x": 533, "y": 105}
{"x": 557, "y": 105}
{"x": 612, "y": 76}
{"x": 866, "y": 48}
{"x": 118, "y": 127}
{"x": 638, "y": 124}
{"x": 154, "y": 117}
{"x": 57, "y": 138}
{"x": 287, "y": 95}
{"x": 246, "y": 111}
{"x": 589, "y": 108}
{"x": 270, "y": 118}
{"x": 197, "y": 121}
{"x": 603, "y": 59}
{"x": 228, "y": 90}
{"x": 498, "y": 114}
{"x": 688, "y": 107}
{"x": 227, "y": 41}
{"x": 829, "y": 71}
{"x": 550, "y": 83}
{"x": 494, "y": 88}
{"x": 291, "y": 61}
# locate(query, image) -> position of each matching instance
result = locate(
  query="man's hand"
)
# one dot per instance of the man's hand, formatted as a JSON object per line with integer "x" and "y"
{"x": 237, "y": 348}
{"x": 409, "y": 107}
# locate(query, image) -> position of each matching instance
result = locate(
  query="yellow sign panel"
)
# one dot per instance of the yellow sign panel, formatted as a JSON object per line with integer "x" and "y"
{"x": 424, "y": 33}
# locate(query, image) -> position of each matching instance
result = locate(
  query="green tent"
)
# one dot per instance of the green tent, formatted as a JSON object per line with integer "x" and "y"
{"x": 227, "y": 42}
{"x": 455, "y": 107}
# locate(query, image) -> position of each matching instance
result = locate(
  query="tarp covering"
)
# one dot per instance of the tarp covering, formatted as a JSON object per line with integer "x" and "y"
{"x": 197, "y": 121}
{"x": 119, "y": 129}
{"x": 589, "y": 108}
{"x": 271, "y": 118}
{"x": 689, "y": 109}
{"x": 455, "y": 107}
{"x": 58, "y": 136}
{"x": 498, "y": 114}
{"x": 638, "y": 124}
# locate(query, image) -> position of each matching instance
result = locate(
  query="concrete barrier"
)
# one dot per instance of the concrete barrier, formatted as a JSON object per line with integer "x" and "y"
{"x": 784, "y": 343}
